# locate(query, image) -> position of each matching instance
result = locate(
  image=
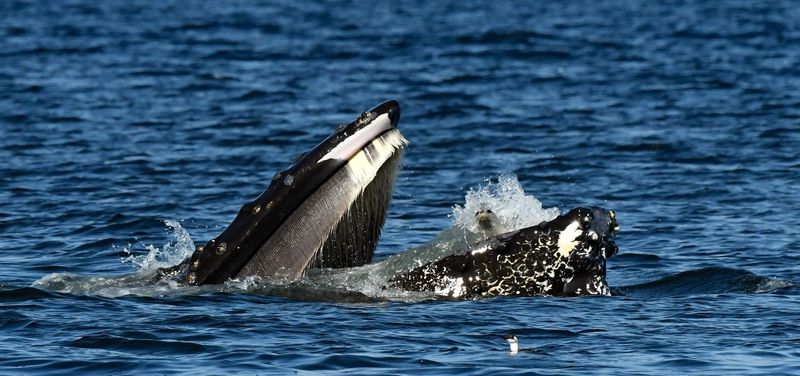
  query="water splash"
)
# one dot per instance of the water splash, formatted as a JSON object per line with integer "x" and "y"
{"x": 710, "y": 280}
{"x": 140, "y": 282}
{"x": 174, "y": 251}
{"x": 507, "y": 200}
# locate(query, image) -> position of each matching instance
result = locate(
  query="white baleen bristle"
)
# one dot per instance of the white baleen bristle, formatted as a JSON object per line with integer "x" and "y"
{"x": 364, "y": 165}
{"x": 370, "y": 175}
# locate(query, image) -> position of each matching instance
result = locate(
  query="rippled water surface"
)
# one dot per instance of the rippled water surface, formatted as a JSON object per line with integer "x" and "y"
{"x": 131, "y": 130}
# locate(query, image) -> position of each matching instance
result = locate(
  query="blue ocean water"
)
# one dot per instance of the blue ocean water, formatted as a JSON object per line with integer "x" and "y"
{"x": 130, "y": 129}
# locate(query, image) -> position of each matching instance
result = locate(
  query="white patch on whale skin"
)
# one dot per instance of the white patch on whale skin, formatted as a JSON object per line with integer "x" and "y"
{"x": 453, "y": 287}
{"x": 566, "y": 240}
{"x": 480, "y": 250}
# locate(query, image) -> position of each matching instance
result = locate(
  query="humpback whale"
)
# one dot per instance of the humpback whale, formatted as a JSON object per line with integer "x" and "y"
{"x": 325, "y": 211}
{"x": 564, "y": 257}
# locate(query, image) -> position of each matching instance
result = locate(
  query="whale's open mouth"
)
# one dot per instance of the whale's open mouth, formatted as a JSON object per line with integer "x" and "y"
{"x": 341, "y": 220}
{"x": 327, "y": 210}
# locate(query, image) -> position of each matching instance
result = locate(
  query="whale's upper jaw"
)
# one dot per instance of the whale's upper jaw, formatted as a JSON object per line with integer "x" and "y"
{"x": 391, "y": 108}
{"x": 310, "y": 179}
{"x": 350, "y": 138}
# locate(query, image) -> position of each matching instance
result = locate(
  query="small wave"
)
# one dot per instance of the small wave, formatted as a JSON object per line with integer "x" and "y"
{"x": 136, "y": 346}
{"x": 712, "y": 280}
{"x": 256, "y": 94}
{"x": 23, "y": 294}
{"x": 494, "y": 36}
{"x": 638, "y": 257}
{"x": 140, "y": 282}
{"x": 109, "y": 287}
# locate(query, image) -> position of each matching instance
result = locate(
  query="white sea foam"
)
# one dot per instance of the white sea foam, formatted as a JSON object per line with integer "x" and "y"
{"x": 507, "y": 200}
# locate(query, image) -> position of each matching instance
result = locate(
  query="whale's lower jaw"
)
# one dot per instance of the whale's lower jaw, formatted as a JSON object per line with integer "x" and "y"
{"x": 340, "y": 223}
{"x": 563, "y": 257}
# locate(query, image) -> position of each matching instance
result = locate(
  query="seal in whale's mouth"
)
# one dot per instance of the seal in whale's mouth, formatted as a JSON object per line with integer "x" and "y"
{"x": 327, "y": 210}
